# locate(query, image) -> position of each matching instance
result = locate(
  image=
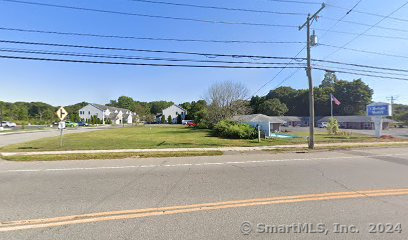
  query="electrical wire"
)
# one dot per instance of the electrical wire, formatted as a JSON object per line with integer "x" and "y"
{"x": 362, "y": 74}
{"x": 364, "y": 51}
{"x": 149, "y": 15}
{"x": 138, "y": 64}
{"x": 219, "y": 8}
{"x": 145, "y": 38}
{"x": 127, "y": 57}
{"x": 148, "y": 50}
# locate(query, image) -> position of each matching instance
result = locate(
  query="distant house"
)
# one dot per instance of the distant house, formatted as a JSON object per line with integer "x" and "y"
{"x": 267, "y": 124}
{"x": 114, "y": 114}
{"x": 173, "y": 111}
{"x": 293, "y": 121}
{"x": 357, "y": 122}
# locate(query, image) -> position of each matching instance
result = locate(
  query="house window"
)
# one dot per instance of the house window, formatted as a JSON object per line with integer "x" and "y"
{"x": 176, "y": 113}
{"x": 89, "y": 112}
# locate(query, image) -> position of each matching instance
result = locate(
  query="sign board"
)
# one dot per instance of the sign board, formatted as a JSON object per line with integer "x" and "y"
{"x": 61, "y": 125}
{"x": 379, "y": 109}
{"x": 61, "y": 113}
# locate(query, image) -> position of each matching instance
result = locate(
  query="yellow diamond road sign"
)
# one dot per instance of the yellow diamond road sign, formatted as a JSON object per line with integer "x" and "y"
{"x": 61, "y": 113}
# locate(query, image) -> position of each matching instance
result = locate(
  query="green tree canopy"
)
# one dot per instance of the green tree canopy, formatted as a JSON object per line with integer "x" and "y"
{"x": 273, "y": 107}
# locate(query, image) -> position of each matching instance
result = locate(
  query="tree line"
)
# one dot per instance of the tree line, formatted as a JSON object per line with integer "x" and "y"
{"x": 224, "y": 100}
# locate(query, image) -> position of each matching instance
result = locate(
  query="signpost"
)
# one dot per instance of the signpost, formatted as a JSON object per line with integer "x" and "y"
{"x": 379, "y": 110}
{"x": 61, "y": 114}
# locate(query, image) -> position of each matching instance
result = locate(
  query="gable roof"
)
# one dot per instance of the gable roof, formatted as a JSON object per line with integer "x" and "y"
{"x": 176, "y": 106}
{"x": 257, "y": 118}
{"x": 112, "y": 109}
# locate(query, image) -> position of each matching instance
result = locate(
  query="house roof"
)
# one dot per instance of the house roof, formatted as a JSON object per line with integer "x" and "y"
{"x": 353, "y": 119}
{"x": 112, "y": 109}
{"x": 291, "y": 118}
{"x": 257, "y": 118}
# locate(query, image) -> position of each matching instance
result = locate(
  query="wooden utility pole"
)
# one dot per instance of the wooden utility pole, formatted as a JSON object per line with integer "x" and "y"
{"x": 310, "y": 43}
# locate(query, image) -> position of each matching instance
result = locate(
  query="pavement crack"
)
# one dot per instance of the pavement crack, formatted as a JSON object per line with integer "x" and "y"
{"x": 353, "y": 190}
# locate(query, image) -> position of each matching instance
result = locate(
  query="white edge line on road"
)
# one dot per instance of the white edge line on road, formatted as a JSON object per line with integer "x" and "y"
{"x": 198, "y": 164}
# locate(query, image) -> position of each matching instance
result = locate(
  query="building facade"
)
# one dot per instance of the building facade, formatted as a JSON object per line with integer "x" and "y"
{"x": 105, "y": 113}
{"x": 173, "y": 111}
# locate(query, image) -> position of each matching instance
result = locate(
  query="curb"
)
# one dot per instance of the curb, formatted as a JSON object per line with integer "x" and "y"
{"x": 224, "y": 149}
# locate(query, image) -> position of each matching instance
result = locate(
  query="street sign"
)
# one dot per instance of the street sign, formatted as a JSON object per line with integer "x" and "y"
{"x": 61, "y": 113}
{"x": 61, "y": 125}
{"x": 379, "y": 109}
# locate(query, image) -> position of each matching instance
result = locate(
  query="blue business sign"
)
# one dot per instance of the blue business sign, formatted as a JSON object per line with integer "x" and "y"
{"x": 379, "y": 109}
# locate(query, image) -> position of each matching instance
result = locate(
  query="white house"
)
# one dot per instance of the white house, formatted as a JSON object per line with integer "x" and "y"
{"x": 174, "y": 111}
{"x": 116, "y": 115}
{"x": 267, "y": 124}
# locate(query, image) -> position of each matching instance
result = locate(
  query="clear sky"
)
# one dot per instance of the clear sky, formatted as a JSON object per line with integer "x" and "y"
{"x": 68, "y": 83}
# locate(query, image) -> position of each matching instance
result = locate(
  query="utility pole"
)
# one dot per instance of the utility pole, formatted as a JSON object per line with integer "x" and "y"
{"x": 311, "y": 42}
{"x": 392, "y": 99}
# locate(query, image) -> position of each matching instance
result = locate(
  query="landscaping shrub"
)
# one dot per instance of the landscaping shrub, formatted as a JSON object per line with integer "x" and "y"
{"x": 231, "y": 129}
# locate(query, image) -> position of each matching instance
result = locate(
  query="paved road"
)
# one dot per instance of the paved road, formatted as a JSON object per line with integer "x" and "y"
{"x": 262, "y": 188}
{"x": 13, "y": 138}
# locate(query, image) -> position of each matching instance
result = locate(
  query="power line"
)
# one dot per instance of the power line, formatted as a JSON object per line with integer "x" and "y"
{"x": 145, "y": 38}
{"x": 334, "y": 68}
{"x": 362, "y": 74}
{"x": 138, "y": 64}
{"x": 93, "y": 55}
{"x": 363, "y": 51}
{"x": 344, "y": 16}
{"x": 361, "y": 65}
{"x": 198, "y": 54}
{"x": 368, "y": 13}
{"x": 148, "y": 50}
{"x": 149, "y": 15}
{"x": 362, "y": 24}
{"x": 189, "y": 40}
{"x": 276, "y": 75}
{"x": 220, "y": 8}
{"x": 295, "y": 1}
{"x": 368, "y": 29}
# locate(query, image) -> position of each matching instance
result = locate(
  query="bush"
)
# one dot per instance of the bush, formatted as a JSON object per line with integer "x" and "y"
{"x": 231, "y": 129}
{"x": 333, "y": 126}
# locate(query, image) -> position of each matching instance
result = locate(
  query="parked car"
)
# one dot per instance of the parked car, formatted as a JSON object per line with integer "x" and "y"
{"x": 192, "y": 124}
{"x": 8, "y": 124}
{"x": 71, "y": 124}
{"x": 322, "y": 125}
{"x": 83, "y": 124}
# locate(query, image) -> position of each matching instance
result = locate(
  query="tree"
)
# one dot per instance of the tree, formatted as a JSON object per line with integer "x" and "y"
{"x": 329, "y": 80}
{"x": 125, "y": 102}
{"x": 255, "y": 102}
{"x": 194, "y": 108}
{"x": 272, "y": 107}
{"x": 225, "y": 100}
{"x": 163, "y": 119}
{"x": 179, "y": 120}
{"x": 169, "y": 120}
{"x": 354, "y": 96}
{"x": 158, "y": 106}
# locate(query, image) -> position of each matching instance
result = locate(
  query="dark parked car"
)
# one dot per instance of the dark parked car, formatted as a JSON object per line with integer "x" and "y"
{"x": 83, "y": 124}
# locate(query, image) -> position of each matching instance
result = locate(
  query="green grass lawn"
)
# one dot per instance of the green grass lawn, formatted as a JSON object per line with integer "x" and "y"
{"x": 161, "y": 137}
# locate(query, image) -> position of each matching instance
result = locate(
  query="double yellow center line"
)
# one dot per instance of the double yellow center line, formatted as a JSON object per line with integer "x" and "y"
{"x": 149, "y": 212}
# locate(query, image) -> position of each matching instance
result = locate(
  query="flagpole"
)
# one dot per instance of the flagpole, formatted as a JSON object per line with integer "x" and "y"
{"x": 331, "y": 105}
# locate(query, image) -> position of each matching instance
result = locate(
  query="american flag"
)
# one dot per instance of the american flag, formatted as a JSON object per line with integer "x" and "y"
{"x": 337, "y": 102}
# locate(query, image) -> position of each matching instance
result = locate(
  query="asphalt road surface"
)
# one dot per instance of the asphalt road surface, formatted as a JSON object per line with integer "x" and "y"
{"x": 350, "y": 194}
{"x": 20, "y": 137}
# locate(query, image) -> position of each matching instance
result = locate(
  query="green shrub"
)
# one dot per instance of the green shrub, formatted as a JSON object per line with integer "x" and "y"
{"x": 333, "y": 126}
{"x": 231, "y": 129}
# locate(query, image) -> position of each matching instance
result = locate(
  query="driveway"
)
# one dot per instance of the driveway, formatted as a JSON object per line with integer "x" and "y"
{"x": 20, "y": 137}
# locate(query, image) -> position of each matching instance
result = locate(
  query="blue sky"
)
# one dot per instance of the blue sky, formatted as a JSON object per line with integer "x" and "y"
{"x": 68, "y": 83}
